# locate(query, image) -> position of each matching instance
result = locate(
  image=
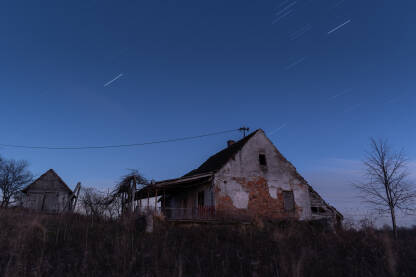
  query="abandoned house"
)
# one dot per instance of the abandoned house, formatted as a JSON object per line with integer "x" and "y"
{"x": 249, "y": 177}
{"x": 49, "y": 193}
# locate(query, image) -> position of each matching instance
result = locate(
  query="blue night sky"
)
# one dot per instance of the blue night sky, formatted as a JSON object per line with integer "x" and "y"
{"x": 320, "y": 77}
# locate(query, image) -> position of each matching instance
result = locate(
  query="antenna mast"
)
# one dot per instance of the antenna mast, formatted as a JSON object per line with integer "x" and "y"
{"x": 244, "y": 129}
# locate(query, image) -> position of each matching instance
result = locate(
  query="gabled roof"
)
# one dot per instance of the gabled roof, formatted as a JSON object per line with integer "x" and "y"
{"x": 53, "y": 181}
{"x": 218, "y": 160}
{"x": 199, "y": 175}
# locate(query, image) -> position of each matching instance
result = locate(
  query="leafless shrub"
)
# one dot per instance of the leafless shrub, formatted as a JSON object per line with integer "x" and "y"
{"x": 94, "y": 202}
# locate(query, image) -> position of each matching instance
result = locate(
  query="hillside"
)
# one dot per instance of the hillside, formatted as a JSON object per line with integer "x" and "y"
{"x": 74, "y": 245}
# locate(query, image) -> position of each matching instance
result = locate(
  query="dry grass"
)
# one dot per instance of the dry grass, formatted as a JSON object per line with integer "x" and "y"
{"x": 73, "y": 245}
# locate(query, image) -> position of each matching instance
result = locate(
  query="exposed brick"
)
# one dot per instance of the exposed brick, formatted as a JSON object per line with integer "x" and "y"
{"x": 260, "y": 201}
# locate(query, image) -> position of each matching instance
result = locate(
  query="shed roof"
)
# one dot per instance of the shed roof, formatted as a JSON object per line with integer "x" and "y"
{"x": 48, "y": 181}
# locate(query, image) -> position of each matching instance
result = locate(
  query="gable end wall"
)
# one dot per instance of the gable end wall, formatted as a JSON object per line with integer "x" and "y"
{"x": 245, "y": 187}
{"x": 47, "y": 194}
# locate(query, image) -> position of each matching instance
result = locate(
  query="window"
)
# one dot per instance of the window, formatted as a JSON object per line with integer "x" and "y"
{"x": 262, "y": 159}
{"x": 318, "y": 210}
{"x": 201, "y": 198}
{"x": 288, "y": 201}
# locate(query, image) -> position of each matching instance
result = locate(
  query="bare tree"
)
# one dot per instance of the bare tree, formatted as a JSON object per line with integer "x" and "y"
{"x": 386, "y": 187}
{"x": 13, "y": 176}
{"x": 126, "y": 189}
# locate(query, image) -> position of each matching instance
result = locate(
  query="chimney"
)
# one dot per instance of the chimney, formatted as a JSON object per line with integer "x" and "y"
{"x": 230, "y": 142}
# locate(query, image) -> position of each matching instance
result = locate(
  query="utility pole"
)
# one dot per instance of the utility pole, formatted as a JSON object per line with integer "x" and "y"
{"x": 244, "y": 129}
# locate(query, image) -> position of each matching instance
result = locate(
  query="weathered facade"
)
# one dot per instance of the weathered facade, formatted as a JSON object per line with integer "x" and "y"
{"x": 249, "y": 178}
{"x": 48, "y": 193}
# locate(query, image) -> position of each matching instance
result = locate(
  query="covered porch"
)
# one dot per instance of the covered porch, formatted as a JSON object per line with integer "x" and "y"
{"x": 185, "y": 198}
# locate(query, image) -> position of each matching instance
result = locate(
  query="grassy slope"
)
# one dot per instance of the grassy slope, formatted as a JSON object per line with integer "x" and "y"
{"x": 73, "y": 245}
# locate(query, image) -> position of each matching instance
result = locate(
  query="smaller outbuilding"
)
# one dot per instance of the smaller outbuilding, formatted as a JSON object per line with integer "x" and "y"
{"x": 49, "y": 193}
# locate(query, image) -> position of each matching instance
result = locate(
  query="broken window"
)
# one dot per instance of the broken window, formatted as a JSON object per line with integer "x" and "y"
{"x": 288, "y": 201}
{"x": 262, "y": 159}
{"x": 201, "y": 198}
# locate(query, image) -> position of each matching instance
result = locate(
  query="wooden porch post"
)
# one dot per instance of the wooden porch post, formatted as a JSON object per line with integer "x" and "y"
{"x": 155, "y": 200}
{"x": 164, "y": 199}
{"x": 147, "y": 200}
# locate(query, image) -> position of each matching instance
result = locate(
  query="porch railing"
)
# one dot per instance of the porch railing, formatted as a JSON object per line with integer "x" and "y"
{"x": 196, "y": 213}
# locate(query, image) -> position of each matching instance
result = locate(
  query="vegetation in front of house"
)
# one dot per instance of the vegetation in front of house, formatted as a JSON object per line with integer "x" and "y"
{"x": 34, "y": 244}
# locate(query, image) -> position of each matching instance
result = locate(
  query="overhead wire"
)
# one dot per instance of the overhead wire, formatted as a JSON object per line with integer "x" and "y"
{"x": 116, "y": 145}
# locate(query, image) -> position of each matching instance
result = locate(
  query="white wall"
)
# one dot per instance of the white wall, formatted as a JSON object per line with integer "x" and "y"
{"x": 279, "y": 175}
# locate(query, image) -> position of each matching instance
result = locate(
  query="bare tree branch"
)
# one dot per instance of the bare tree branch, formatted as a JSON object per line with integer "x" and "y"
{"x": 13, "y": 176}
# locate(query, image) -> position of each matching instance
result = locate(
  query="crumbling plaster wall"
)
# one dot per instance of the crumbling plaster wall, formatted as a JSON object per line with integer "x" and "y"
{"x": 243, "y": 185}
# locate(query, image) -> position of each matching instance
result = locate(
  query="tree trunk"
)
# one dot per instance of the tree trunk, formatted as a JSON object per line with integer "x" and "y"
{"x": 393, "y": 221}
{"x": 5, "y": 202}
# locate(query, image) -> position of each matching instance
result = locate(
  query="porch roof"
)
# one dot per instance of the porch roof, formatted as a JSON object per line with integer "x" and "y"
{"x": 173, "y": 185}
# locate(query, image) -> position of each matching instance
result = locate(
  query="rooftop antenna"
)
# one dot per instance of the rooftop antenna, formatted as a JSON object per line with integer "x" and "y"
{"x": 244, "y": 129}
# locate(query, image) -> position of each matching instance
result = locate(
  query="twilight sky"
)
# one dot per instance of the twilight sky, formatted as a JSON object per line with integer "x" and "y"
{"x": 319, "y": 76}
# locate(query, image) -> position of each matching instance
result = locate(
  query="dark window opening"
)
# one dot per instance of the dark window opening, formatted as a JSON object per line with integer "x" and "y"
{"x": 318, "y": 210}
{"x": 262, "y": 159}
{"x": 201, "y": 198}
{"x": 288, "y": 201}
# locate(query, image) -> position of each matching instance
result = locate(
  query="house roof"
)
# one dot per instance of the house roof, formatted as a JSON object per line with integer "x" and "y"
{"x": 202, "y": 174}
{"x": 53, "y": 181}
{"x": 325, "y": 203}
{"x": 218, "y": 160}
{"x": 173, "y": 185}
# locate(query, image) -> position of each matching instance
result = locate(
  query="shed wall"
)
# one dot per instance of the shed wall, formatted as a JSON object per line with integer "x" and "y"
{"x": 47, "y": 201}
